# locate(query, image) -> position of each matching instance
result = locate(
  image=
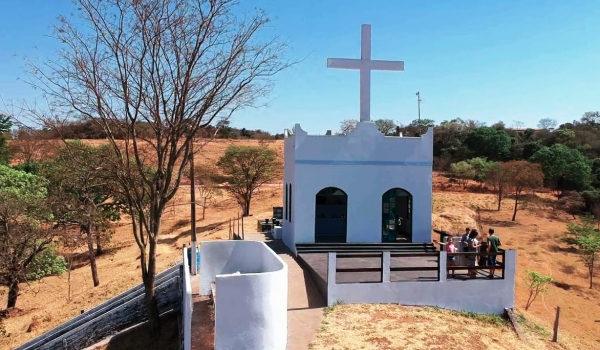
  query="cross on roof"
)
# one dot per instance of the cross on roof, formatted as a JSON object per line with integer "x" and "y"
{"x": 365, "y": 65}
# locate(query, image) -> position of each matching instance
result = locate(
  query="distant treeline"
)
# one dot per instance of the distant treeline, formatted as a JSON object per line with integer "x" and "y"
{"x": 88, "y": 129}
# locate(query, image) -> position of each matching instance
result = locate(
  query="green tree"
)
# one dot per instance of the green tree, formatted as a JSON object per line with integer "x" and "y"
{"x": 81, "y": 188}
{"x": 586, "y": 240}
{"x": 489, "y": 143}
{"x": 47, "y": 263}
{"x": 463, "y": 171}
{"x": 564, "y": 168}
{"x": 537, "y": 284}
{"x": 24, "y": 229}
{"x": 480, "y": 168}
{"x": 5, "y": 125}
{"x": 385, "y": 126}
{"x": 246, "y": 168}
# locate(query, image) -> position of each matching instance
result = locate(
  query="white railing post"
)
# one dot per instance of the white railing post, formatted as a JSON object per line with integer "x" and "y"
{"x": 387, "y": 264}
{"x": 443, "y": 266}
{"x": 331, "y": 274}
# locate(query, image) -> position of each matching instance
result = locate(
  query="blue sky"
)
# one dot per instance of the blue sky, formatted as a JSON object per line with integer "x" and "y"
{"x": 486, "y": 60}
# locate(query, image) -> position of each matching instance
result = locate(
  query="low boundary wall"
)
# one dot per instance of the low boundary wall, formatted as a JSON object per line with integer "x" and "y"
{"x": 476, "y": 295}
{"x": 251, "y": 294}
{"x": 106, "y": 319}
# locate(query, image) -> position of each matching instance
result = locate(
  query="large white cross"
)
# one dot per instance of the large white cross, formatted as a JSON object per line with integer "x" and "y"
{"x": 365, "y": 65}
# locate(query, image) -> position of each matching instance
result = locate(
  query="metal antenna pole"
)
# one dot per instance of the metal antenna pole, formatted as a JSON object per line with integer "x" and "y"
{"x": 419, "y": 110}
{"x": 193, "y": 207}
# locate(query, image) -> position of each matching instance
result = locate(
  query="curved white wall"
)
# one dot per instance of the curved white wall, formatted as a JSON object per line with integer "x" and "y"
{"x": 251, "y": 307}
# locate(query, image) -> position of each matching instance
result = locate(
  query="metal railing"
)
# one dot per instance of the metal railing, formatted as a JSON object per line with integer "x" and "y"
{"x": 381, "y": 269}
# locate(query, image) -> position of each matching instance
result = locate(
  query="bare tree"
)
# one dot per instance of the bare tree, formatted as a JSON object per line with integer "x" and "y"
{"x": 497, "y": 177}
{"x": 206, "y": 186}
{"x": 596, "y": 212}
{"x": 347, "y": 126}
{"x": 30, "y": 146}
{"x": 522, "y": 175}
{"x": 176, "y": 66}
{"x": 547, "y": 123}
{"x": 71, "y": 240}
{"x": 517, "y": 124}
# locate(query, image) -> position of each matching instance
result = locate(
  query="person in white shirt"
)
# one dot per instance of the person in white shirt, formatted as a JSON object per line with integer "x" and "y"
{"x": 473, "y": 248}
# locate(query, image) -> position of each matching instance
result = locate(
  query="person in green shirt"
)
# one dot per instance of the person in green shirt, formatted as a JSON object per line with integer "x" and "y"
{"x": 493, "y": 246}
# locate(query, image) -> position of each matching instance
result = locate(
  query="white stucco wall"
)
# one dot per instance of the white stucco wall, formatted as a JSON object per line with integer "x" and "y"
{"x": 479, "y": 295}
{"x": 364, "y": 164}
{"x": 288, "y": 178}
{"x": 251, "y": 307}
{"x": 187, "y": 305}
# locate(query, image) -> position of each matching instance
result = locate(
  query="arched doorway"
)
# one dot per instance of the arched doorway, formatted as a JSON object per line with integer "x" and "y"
{"x": 330, "y": 216}
{"x": 396, "y": 214}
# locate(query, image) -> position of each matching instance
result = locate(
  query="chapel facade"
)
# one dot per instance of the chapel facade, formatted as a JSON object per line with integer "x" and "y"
{"x": 363, "y": 187}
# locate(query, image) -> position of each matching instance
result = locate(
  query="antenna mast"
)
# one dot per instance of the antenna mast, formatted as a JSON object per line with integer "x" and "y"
{"x": 419, "y": 110}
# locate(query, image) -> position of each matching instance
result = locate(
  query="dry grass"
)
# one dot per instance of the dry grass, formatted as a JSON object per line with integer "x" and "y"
{"x": 387, "y": 327}
{"x": 45, "y": 302}
{"x": 535, "y": 234}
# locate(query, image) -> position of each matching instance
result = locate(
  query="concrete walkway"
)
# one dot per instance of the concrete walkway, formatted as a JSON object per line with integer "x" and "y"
{"x": 305, "y": 304}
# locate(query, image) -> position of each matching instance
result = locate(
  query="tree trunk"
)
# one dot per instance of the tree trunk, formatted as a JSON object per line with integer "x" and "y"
{"x": 69, "y": 265}
{"x": 514, "y": 217}
{"x": 90, "y": 244}
{"x": 499, "y": 202}
{"x": 247, "y": 206}
{"x": 13, "y": 292}
{"x": 149, "y": 279}
{"x": 592, "y": 270}
{"x": 203, "y": 208}
{"x": 99, "y": 248}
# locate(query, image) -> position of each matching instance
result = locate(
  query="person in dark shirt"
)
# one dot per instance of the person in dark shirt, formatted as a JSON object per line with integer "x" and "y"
{"x": 493, "y": 247}
{"x": 464, "y": 245}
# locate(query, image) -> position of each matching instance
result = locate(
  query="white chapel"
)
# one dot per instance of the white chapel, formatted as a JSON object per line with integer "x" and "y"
{"x": 363, "y": 187}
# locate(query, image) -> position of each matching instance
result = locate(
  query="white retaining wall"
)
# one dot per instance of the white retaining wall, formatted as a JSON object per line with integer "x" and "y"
{"x": 477, "y": 295}
{"x": 250, "y": 307}
{"x": 186, "y": 304}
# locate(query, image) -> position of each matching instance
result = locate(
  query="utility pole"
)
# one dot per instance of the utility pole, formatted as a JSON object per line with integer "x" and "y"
{"x": 419, "y": 110}
{"x": 419, "y": 106}
{"x": 193, "y": 263}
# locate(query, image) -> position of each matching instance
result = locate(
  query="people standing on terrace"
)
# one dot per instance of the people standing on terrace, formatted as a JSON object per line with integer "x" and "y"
{"x": 464, "y": 241}
{"x": 493, "y": 246}
{"x": 451, "y": 259}
{"x": 473, "y": 247}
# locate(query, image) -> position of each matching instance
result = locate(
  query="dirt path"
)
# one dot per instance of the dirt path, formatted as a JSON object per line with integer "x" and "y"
{"x": 203, "y": 320}
{"x": 305, "y": 304}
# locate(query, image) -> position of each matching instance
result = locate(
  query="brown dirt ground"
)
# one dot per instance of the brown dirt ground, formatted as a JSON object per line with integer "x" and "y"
{"x": 535, "y": 234}
{"x": 391, "y": 327}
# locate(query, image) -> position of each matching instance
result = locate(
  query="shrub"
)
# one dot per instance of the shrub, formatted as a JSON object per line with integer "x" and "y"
{"x": 47, "y": 263}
